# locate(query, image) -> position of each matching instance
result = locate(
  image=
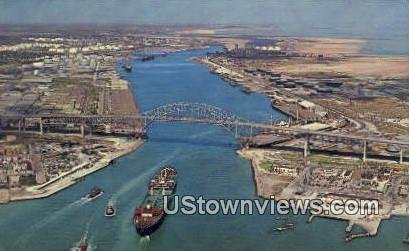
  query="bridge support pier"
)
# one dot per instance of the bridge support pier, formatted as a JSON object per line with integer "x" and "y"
{"x": 41, "y": 127}
{"x": 82, "y": 130}
{"x": 401, "y": 156}
{"x": 364, "y": 152}
{"x": 306, "y": 147}
{"x": 236, "y": 130}
{"x": 297, "y": 115}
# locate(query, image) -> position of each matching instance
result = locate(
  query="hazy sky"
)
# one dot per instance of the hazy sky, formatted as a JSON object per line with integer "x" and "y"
{"x": 370, "y": 17}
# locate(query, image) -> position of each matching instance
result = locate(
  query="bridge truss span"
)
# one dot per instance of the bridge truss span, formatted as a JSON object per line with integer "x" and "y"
{"x": 200, "y": 113}
{"x": 137, "y": 124}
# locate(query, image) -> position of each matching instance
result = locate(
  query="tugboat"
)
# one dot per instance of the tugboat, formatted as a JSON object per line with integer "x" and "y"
{"x": 94, "y": 193}
{"x": 110, "y": 210}
{"x": 150, "y": 214}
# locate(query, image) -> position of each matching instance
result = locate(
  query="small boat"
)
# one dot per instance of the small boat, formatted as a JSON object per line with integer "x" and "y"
{"x": 284, "y": 227}
{"x": 94, "y": 193}
{"x": 148, "y": 58}
{"x": 406, "y": 241}
{"x": 245, "y": 90}
{"x": 127, "y": 67}
{"x": 110, "y": 210}
{"x": 82, "y": 245}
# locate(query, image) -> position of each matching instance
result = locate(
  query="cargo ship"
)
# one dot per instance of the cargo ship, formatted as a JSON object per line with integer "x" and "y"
{"x": 150, "y": 214}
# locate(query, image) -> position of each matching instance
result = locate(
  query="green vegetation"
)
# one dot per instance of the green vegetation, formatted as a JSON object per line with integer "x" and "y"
{"x": 392, "y": 128}
{"x": 334, "y": 161}
{"x": 291, "y": 156}
{"x": 28, "y": 180}
{"x": 64, "y": 155}
{"x": 64, "y": 83}
{"x": 325, "y": 75}
{"x": 267, "y": 166}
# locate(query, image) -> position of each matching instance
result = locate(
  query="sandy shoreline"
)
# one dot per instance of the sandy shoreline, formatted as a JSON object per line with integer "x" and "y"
{"x": 70, "y": 178}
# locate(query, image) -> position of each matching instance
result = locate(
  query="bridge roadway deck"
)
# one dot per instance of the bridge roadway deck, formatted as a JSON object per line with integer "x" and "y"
{"x": 146, "y": 119}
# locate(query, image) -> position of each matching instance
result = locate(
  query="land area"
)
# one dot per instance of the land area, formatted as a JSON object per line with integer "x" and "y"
{"x": 324, "y": 85}
{"x": 72, "y": 72}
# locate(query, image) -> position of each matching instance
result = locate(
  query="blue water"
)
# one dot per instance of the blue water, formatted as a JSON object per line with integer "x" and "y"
{"x": 207, "y": 165}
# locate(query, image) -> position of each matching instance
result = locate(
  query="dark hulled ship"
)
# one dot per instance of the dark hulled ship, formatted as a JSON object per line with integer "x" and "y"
{"x": 94, "y": 193}
{"x": 150, "y": 214}
{"x": 147, "y": 58}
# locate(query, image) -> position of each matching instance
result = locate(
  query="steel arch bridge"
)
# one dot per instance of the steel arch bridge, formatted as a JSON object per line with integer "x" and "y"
{"x": 136, "y": 124}
{"x": 200, "y": 113}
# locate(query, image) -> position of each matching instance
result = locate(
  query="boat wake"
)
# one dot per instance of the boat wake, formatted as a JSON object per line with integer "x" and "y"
{"x": 45, "y": 221}
{"x": 144, "y": 241}
{"x": 85, "y": 199}
{"x": 85, "y": 242}
{"x": 33, "y": 229}
{"x": 131, "y": 184}
{"x": 112, "y": 201}
{"x": 85, "y": 237}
